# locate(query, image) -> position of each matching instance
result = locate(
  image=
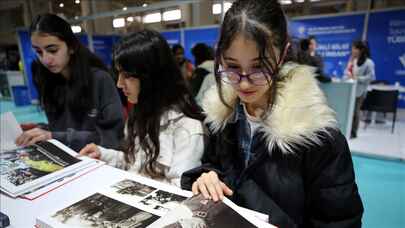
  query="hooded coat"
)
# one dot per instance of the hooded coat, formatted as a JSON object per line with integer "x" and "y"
{"x": 301, "y": 172}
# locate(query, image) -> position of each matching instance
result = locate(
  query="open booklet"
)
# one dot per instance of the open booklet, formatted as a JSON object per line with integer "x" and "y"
{"x": 140, "y": 202}
{"x": 26, "y": 169}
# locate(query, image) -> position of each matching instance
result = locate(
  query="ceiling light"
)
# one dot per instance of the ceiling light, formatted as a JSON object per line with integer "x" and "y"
{"x": 77, "y": 1}
{"x": 144, "y": 5}
{"x": 216, "y": 8}
{"x": 125, "y": 8}
{"x": 152, "y": 18}
{"x": 119, "y": 22}
{"x": 76, "y": 28}
{"x": 299, "y": 1}
{"x": 61, "y": 5}
{"x": 285, "y": 2}
{"x": 172, "y": 15}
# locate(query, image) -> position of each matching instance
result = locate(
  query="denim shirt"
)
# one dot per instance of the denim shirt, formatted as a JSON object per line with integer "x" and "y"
{"x": 244, "y": 133}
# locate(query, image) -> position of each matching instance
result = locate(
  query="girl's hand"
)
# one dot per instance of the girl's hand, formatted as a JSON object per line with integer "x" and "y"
{"x": 209, "y": 185}
{"x": 91, "y": 150}
{"x": 32, "y": 136}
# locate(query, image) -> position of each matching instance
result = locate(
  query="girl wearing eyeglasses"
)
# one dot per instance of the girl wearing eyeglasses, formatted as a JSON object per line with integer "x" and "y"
{"x": 274, "y": 143}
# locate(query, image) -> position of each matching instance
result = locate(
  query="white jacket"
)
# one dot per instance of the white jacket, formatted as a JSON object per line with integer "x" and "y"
{"x": 181, "y": 147}
{"x": 208, "y": 81}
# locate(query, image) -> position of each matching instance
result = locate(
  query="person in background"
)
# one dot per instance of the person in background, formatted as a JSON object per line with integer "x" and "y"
{"x": 203, "y": 75}
{"x": 274, "y": 145}
{"x": 362, "y": 69}
{"x": 307, "y": 55}
{"x": 78, "y": 95}
{"x": 164, "y": 133}
{"x": 186, "y": 66}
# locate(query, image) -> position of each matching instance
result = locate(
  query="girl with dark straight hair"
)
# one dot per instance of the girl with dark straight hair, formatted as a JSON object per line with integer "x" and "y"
{"x": 75, "y": 89}
{"x": 164, "y": 134}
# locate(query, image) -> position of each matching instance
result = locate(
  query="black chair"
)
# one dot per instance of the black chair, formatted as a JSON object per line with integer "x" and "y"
{"x": 379, "y": 82}
{"x": 382, "y": 101}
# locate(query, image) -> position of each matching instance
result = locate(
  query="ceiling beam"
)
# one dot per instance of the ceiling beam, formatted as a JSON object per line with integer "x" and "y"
{"x": 137, "y": 9}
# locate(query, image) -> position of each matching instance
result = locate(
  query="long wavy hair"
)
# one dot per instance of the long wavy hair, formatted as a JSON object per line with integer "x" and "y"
{"x": 147, "y": 56}
{"x": 264, "y": 22}
{"x": 56, "y": 92}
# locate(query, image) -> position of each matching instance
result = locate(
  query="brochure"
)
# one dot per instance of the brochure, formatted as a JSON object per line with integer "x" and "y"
{"x": 136, "y": 201}
{"x": 25, "y": 169}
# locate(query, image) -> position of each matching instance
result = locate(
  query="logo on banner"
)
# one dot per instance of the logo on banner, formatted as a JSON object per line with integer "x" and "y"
{"x": 301, "y": 29}
{"x": 402, "y": 59}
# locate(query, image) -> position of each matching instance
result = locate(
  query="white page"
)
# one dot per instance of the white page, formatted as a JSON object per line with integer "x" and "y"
{"x": 10, "y": 130}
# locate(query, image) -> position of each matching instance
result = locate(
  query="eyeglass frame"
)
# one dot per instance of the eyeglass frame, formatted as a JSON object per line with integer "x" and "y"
{"x": 247, "y": 75}
{"x": 265, "y": 75}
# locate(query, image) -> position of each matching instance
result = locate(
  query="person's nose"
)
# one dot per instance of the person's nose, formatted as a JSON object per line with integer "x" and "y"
{"x": 120, "y": 82}
{"x": 244, "y": 83}
{"x": 47, "y": 59}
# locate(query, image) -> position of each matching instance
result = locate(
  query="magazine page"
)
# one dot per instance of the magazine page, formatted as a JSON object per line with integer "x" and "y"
{"x": 200, "y": 212}
{"x": 26, "y": 168}
{"x": 132, "y": 201}
{"x": 155, "y": 198}
{"x": 10, "y": 130}
{"x": 96, "y": 211}
{"x": 48, "y": 187}
{"x": 135, "y": 201}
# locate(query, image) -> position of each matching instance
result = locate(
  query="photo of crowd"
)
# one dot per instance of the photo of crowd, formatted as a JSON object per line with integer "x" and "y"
{"x": 163, "y": 201}
{"x": 131, "y": 187}
{"x": 101, "y": 211}
{"x": 24, "y": 165}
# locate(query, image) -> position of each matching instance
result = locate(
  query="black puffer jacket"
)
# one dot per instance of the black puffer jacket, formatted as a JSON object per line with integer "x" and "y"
{"x": 301, "y": 173}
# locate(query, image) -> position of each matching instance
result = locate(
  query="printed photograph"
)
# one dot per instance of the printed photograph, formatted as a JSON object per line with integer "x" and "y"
{"x": 24, "y": 165}
{"x": 163, "y": 201}
{"x": 133, "y": 188}
{"x": 103, "y": 212}
{"x": 197, "y": 212}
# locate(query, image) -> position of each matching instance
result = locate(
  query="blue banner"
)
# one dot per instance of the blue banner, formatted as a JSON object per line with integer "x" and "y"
{"x": 103, "y": 47}
{"x": 208, "y": 36}
{"x": 386, "y": 37}
{"x": 29, "y": 55}
{"x": 334, "y": 36}
{"x": 172, "y": 37}
{"x": 84, "y": 39}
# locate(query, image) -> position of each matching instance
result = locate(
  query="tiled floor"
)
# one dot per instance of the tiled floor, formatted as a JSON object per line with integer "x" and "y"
{"x": 378, "y": 140}
{"x": 381, "y": 182}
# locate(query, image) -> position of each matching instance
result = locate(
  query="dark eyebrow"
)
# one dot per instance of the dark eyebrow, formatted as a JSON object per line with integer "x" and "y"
{"x": 51, "y": 46}
{"x": 46, "y": 47}
{"x": 235, "y": 60}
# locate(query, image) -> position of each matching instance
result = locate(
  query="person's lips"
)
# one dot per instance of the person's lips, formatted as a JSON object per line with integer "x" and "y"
{"x": 247, "y": 93}
{"x": 51, "y": 68}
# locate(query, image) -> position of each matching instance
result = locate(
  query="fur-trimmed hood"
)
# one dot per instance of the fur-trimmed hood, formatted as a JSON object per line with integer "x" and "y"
{"x": 208, "y": 65}
{"x": 298, "y": 116}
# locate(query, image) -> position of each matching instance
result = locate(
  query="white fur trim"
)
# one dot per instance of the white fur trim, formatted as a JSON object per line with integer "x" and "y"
{"x": 299, "y": 115}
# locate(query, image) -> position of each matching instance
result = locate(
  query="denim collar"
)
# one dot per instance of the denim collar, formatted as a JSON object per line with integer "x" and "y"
{"x": 239, "y": 113}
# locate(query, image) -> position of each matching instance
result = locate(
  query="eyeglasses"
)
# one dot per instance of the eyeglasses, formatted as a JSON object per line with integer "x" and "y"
{"x": 256, "y": 77}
